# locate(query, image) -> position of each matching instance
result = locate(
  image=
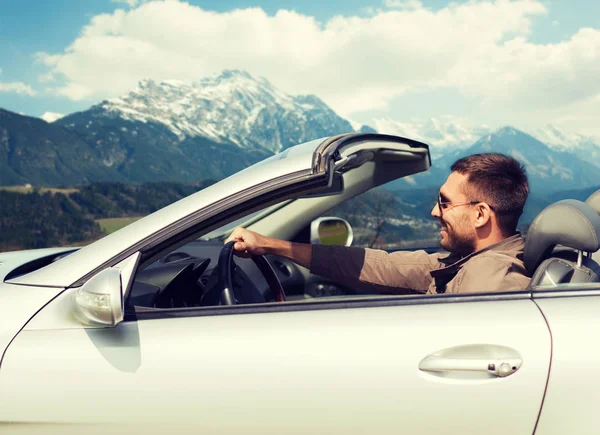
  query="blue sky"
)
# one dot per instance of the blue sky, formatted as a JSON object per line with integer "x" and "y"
{"x": 523, "y": 62}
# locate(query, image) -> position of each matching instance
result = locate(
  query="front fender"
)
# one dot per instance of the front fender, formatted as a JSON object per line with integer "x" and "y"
{"x": 18, "y": 304}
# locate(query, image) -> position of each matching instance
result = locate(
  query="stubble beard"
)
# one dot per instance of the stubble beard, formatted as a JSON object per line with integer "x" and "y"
{"x": 456, "y": 243}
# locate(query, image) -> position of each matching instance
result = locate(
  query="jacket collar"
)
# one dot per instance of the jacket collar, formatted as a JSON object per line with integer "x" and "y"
{"x": 512, "y": 245}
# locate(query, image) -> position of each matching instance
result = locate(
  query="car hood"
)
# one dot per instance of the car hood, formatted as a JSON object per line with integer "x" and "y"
{"x": 15, "y": 263}
{"x": 18, "y": 304}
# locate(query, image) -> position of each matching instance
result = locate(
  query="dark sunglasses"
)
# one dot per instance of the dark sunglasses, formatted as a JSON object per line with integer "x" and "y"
{"x": 445, "y": 205}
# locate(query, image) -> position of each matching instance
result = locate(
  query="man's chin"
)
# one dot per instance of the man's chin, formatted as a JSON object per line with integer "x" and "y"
{"x": 445, "y": 245}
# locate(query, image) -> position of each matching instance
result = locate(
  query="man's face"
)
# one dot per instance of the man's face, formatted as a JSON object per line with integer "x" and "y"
{"x": 455, "y": 215}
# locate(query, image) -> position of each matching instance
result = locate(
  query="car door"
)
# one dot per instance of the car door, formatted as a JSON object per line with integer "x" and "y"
{"x": 393, "y": 365}
{"x": 570, "y": 405}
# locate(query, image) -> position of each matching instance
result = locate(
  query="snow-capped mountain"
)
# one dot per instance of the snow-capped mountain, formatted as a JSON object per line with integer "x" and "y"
{"x": 233, "y": 107}
{"x": 444, "y": 134}
{"x": 177, "y": 131}
{"x": 542, "y": 162}
{"x": 448, "y": 135}
{"x": 548, "y": 169}
{"x": 50, "y": 117}
{"x": 557, "y": 138}
{"x": 584, "y": 147}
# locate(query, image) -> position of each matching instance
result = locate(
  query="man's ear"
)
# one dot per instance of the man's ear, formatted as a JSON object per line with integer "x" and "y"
{"x": 483, "y": 214}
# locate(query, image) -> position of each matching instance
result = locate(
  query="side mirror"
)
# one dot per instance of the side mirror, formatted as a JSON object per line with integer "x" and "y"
{"x": 99, "y": 302}
{"x": 331, "y": 231}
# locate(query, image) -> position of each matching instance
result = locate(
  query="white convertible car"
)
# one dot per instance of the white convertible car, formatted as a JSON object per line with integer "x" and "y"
{"x": 153, "y": 329}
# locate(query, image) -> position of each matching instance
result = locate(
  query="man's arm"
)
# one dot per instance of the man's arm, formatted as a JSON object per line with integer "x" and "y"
{"x": 375, "y": 269}
{"x": 358, "y": 268}
{"x": 249, "y": 243}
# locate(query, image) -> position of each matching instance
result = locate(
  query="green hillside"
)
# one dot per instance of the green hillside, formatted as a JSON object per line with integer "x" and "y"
{"x": 40, "y": 220}
{"x": 89, "y": 147}
{"x": 43, "y": 218}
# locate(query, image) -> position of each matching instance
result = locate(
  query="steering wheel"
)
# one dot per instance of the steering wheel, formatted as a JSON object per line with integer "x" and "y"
{"x": 225, "y": 281}
{"x": 183, "y": 289}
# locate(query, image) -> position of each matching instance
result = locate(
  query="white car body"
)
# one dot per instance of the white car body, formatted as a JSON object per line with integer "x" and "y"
{"x": 364, "y": 364}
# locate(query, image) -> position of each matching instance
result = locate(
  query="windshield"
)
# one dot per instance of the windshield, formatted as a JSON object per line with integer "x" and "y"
{"x": 222, "y": 232}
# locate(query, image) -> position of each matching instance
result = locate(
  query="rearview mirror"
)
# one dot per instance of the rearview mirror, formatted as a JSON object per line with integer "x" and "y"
{"x": 99, "y": 302}
{"x": 331, "y": 231}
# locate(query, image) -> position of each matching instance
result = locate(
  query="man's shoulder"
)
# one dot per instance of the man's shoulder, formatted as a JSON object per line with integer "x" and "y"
{"x": 492, "y": 259}
{"x": 492, "y": 271}
{"x": 508, "y": 252}
{"x": 511, "y": 246}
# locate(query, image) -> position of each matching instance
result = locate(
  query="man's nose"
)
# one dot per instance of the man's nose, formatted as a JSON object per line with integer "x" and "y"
{"x": 435, "y": 211}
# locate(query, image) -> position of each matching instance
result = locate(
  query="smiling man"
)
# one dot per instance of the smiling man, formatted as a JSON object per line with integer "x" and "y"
{"x": 478, "y": 209}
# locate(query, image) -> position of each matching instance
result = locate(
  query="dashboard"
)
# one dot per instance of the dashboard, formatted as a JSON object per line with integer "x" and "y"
{"x": 187, "y": 277}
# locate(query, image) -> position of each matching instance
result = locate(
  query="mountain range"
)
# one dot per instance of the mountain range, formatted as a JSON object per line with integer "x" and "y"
{"x": 175, "y": 131}
{"x": 167, "y": 131}
{"x": 549, "y": 169}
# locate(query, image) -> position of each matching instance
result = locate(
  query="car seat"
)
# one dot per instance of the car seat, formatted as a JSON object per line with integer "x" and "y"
{"x": 594, "y": 201}
{"x": 560, "y": 242}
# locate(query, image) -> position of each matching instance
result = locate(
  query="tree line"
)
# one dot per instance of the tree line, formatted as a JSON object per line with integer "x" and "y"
{"x": 44, "y": 219}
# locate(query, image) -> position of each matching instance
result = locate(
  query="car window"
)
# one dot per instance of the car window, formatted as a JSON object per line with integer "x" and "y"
{"x": 224, "y": 231}
{"x": 390, "y": 218}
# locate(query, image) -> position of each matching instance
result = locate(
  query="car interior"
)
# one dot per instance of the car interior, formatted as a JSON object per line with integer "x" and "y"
{"x": 194, "y": 275}
{"x": 188, "y": 275}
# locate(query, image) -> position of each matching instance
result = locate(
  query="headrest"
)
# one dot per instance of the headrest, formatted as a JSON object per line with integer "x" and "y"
{"x": 569, "y": 223}
{"x": 594, "y": 201}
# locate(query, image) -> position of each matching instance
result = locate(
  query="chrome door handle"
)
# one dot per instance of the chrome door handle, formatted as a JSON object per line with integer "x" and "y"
{"x": 500, "y": 367}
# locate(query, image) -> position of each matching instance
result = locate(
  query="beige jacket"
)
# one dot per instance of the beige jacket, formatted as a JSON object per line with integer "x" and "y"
{"x": 496, "y": 268}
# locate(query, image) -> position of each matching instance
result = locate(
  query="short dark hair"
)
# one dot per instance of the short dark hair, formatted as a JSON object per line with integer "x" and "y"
{"x": 500, "y": 181}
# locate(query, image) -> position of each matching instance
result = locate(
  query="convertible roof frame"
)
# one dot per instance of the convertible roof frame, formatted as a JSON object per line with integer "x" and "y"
{"x": 197, "y": 212}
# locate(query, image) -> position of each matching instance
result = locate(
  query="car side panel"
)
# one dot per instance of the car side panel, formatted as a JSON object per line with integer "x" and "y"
{"x": 573, "y": 394}
{"x": 346, "y": 371}
{"x": 18, "y": 304}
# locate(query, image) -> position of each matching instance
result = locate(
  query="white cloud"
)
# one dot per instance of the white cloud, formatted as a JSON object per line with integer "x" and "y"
{"x": 46, "y": 78}
{"x": 355, "y": 64}
{"x": 581, "y": 117}
{"x": 130, "y": 3}
{"x": 17, "y": 87}
{"x": 403, "y": 4}
{"x": 51, "y": 116}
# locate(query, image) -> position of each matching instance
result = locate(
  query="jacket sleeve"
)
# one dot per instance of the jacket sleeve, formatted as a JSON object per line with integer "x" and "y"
{"x": 490, "y": 274}
{"x": 374, "y": 270}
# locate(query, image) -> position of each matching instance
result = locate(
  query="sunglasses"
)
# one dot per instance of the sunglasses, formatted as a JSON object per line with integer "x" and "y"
{"x": 445, "y": 205}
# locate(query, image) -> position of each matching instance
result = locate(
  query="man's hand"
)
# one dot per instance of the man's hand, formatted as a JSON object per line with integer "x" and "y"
{"x": 248, "y": 243}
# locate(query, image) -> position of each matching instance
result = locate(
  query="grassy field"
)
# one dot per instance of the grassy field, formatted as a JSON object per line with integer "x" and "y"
{"x": 114, "y": 224}
{"x": 28, "y": 189}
